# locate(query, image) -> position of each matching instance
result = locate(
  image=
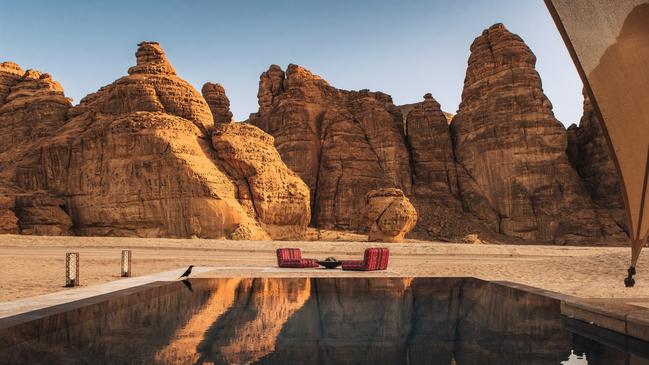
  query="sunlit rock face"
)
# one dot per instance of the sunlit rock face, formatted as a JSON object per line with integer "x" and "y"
{"x": 390, "y": 215}
{"x": 219, "y": 103}
{"x": 137, "y": 158}
{"x": 267, "y": 188}
{"x": 590, "y": 155}
{"x": 32, "y": 105}
{"x": 341, "y": 143}
{"x": 513, "y": 171}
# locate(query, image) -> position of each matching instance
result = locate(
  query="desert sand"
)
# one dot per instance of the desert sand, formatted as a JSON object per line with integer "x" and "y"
{"x": 34, "y": 265}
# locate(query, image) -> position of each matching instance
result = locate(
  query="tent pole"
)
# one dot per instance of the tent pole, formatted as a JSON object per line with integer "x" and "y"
{"x": 636, "y": 247}
{"x": 629, "y": 282}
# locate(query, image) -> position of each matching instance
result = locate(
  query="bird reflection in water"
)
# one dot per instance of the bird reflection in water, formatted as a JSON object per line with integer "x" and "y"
{"x": 188, "y": 284}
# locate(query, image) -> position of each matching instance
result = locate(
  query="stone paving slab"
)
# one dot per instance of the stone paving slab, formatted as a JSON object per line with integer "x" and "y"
{"x": 20, "y": 306}
{"x": 627, "y": 319}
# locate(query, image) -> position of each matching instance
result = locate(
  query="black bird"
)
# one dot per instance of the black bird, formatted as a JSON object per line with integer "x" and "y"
{"x": 186, "y": 273}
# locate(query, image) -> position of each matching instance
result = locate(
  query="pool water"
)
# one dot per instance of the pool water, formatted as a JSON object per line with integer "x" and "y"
{"x": 312, "y": 321}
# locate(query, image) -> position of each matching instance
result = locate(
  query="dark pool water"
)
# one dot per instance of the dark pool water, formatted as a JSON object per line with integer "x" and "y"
{"x": 313, "y": 321}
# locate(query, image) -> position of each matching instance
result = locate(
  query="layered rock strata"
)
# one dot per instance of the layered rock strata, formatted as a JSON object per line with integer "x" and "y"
{"x": 341, "y": 143}
{"x": 501, "y": 170}
{"x": 272, "y": 193}
{"x": 32, "y": 105}
{"x": 390, "y": 215}
{"x": 136, "y": 158}
{"x": 435, "y": 192}
{"x": 8, "y": 219}
{"x": 218, "y": 102}
{"x": 590, "y": 155}
{"x": 513, "y": 172}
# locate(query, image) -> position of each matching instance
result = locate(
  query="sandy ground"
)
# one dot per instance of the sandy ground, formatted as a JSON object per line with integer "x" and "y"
{"x": 32, "y": 265}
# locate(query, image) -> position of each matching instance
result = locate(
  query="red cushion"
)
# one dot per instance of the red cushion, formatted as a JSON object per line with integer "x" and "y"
{"x": 374, "y": 259}
{"x": 301, "y": 263}
{"x": 289, "y": 254}
{"x": 292, "y": 257}
{"x": 353, "y": 265}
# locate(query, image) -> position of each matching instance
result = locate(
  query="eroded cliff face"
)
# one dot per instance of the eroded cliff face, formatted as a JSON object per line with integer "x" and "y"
{"x": 32, "y": 106}
{"x": 269, "y": 191}
{"x": 219, "y": 103}
{"x": 500, "y": 170}
{"x": 513, "y": 171}
{"x": 136, "y": 158}
{"x": 590, "y": 155}
{"x": 149, "y": 156}
{"x": 435, "y": 191}
{"x": 341, "y": 143}
{"x": 390, "y": 215}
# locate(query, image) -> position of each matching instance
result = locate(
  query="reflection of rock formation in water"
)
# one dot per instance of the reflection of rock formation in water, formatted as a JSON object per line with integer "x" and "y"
{"x": 121, "y": 330}
{"x": 502, "y": 325}
{"x": 312, "y": 321}
{"x": 249, "y": 330}
{"x": 183, "y": 347}
{"x": 421, "y": 321}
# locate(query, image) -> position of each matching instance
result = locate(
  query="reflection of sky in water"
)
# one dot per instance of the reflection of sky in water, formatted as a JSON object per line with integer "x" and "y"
{"x": 575, "y": 359}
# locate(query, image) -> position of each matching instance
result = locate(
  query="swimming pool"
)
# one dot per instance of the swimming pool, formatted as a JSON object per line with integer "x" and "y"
{"x": 312, "y": 321}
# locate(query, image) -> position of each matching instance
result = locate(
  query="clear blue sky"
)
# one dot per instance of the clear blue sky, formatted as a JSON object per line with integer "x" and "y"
{"x": 404, "y": 48}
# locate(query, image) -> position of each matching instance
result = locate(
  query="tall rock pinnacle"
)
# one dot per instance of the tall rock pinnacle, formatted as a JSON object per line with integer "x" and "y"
{"x": 219, "y": 103}
{"x": 513, "y": 169}
{"x": 151, "y": 59}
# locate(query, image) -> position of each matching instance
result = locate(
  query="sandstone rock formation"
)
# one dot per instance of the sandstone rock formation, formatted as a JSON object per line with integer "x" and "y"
{"x": 513, "y": 171}
{"x": 405, "y": 109}
{"x": 148, "y": 155}
{"x": 271, "y": 192}
{"x": 32, "y": 105}
{"x": 500, "y": 171}
{"x": 590, "y": 155}
{"x": 390, "y": 215}
{"x": 136, "y": 158}
{"x": 435, "y": 191}
{"x": 219, "y": 103}
{"x": 8, "y": 219}
{"x": 341, "y": 143}
{"x": 42, "y": 214}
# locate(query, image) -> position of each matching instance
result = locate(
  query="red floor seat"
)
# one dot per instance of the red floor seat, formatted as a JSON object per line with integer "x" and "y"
{"x": 292, "y": 257}
{"x": 374, "y": 259}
